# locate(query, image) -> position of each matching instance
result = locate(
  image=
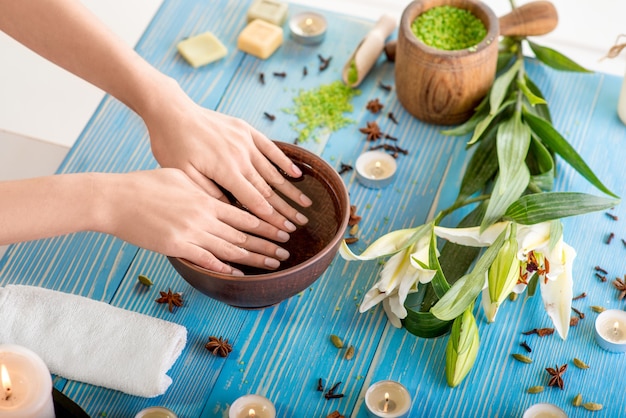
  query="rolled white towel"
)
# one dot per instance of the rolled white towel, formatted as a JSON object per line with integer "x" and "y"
{"x": 93, "y": 342}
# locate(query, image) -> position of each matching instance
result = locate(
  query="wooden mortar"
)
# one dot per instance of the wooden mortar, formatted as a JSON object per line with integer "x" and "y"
{"x": 443, "y": 87}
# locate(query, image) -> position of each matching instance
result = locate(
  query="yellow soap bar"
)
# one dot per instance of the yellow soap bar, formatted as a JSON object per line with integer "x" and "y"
{"x": 271, "y": 11}
{"x": 260, "y": 38}
{"x": 201, "y": 49}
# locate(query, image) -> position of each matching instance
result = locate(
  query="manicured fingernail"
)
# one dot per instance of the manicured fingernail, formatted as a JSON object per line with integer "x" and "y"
{"x": 301, "y": 218}
{"x": 282, "y": 254}
{"x": 236, "y": 272}
{"x": 304, "y": 199}
{"x": 290, "y": 227}
{"x": 296, "y": 170}
{"x": 272, "y": 263}
{"x": 282, "y": 236}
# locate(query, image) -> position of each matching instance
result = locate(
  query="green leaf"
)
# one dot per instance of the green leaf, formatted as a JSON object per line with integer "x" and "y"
{"x": 425, "y": 324}
{"x": 513, "y": 140}
{"x": 440, "y": 285}
{"x": 462, "y": 348}
{"x": 551, "y": 137}
{"x": 500, "y": 87}
{"x": 541, "y": 207}
{"x": 540, "y": 110}
{"x": 482, "y": 110}
{"x": 499, "y": 203}
{"x": 504, "y": 58}
{"x": 463, "y": 293}
{"x": 541, "y": 165}
{"x": 489, "y": 122}
{"x": 481, "y": 168}
{"x": 555, "y": 59}
{"x": 532, "y": 98}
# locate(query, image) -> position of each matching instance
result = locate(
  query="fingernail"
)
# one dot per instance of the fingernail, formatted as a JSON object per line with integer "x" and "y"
{"x": 283, "y": 236}
{"x": 272, "y": 263}
{"x": 301, "y": 218}
{"x": 296, "y": 170}
{"x": 236, "y": 272}
{"x": 282, "y": 254}
{"x": 290, "y": 227}
{"x": 304, "y": 199}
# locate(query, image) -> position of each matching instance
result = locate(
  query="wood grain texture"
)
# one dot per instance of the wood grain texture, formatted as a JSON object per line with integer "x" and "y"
{"x": 280, "y": 352}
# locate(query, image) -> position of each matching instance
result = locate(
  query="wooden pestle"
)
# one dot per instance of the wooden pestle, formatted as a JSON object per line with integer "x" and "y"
{"x": 531, "y": 19}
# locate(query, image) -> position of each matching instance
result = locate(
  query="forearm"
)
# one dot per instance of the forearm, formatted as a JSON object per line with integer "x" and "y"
{"x": 48, "y": 206}
{"x": 68, "y": 34}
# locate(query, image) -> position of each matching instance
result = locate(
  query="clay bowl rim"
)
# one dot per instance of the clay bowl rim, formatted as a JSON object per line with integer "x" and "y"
{"x": 273, "y": 274}
{"x": 493, "y": 26}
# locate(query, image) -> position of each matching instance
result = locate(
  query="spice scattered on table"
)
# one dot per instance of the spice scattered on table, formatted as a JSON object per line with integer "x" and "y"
{"x": 374, "y": 105}
{"x": 573, "y": 321}
{"x": 305, "y": 71}
{"x": 578, "y": 400}
{"x": 320, "y": 385}
{"x": 580, "y": 314}
{"x": 597, "y": 309}
{"x": 522, "y": 358}
{"x": 592, "y": 406}
{"x": 350, "y": 352}
{"x": 620, "y": 285}
{"x": 448, "y": 28}
{"x": 344, "y": 168}
{"x": 609, "y": 239}
{"x": 218, "y": 346}
{"x": 526, "y": 346}
{"x": 324, "y": 62}
{"x": 262, "y": 78}
{"x": 535, "y": 389}
{"x": 145, "y": 280}
{"x": 392, "y": 117}
{"x": 335, "y": 414}
{"x": 610, "y": 215}
{"x": 269, "y": 116}
{"x": 336, "y": 340}
{"x": 384, "y": 86}
{"x": 280, "y": 74}
{"x": 172, "y": 299}
{"x": 354, "y": 218}
{"x": 330, "y": 394}
{"x": 580, "y": 364}
{"x": 556, "y": 376}
{"x": 542, "y": 332}
{"x": 601, "y": 270}
{"x": 372, "y": 130}
{"x": 351, "y": 240}
{"x": 582, "y": 295}
{"x": 601, "y": 277}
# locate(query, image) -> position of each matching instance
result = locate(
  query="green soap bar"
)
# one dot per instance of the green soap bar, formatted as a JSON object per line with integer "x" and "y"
{"x": 271, "y": 11}
{"x": 201, "y": 49}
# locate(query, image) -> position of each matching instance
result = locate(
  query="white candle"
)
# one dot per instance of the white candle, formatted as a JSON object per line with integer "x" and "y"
{"x": 25, "y": 384}
{"x": 375, "y": 169}
{"x": 544, "y": 410}
{"x": 252, "y": 406}
{"x": 387, "y": 399}
{"x": 308, "y": 28}
{"x": 156, "y": 412}
{"x": 611, "y": 330}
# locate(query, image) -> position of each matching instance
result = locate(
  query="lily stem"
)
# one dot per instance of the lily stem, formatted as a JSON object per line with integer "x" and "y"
{"x": 459, "y": 204}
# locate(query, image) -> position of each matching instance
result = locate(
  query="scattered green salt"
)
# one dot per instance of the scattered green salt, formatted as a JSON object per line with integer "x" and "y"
{"x": 449, "y": 28}
{"x": 322, "y": 109}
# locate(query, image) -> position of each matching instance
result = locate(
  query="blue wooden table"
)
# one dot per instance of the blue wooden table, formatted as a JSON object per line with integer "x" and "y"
{"x": 280, "y": 352}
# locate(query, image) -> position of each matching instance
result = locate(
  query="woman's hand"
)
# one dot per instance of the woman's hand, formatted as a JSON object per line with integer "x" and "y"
{"x": 164, "y": 211}
{"x": 210, "y": 145}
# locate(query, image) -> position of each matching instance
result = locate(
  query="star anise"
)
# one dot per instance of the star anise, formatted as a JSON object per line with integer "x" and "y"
{"x": 556, "y": 375}
{"x": 372, "y": 130}
{"x": 621, "y": 286}
{"x": 218, "y": 346}
{"x": 172, "y": 299}
{"x": 374, "y": 106}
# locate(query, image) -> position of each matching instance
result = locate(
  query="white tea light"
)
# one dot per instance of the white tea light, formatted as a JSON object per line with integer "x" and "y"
{"x": 544, "y": 410}
{"x": 156, "y": 412}
{"x": 387, "y": 399}
{"x": 308, "y": 28}
{"x": 252, "y": 406}
{"x": 375, "y": 169}
{"x": 611, "y": 330}
{"x": 25, "y": 384}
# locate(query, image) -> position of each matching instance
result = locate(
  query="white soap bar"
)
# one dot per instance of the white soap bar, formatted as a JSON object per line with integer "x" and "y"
{"x": 201, "y": 49}
{"x": 271, "y": 11}
{"x": 260, "y": 38}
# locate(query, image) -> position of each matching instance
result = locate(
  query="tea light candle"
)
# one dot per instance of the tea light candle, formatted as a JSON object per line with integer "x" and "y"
{"x": 308, "y": 28}
{"x": 156, "y": 412}
{"x": 25, "y": 384}
{"x": 611, "y": 330}
{"x": 387, "y": 399}
{"x": 544, "y": 410}
{"x": 375, "y": 169}
{"x": 252, "y": 406}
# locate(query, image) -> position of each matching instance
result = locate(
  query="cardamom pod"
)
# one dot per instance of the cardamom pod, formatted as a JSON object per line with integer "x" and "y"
{"x": 535, "y": 389}
{"x": 336, "y": 341}
{"x": 598, "y": 309}
{"x": 144, "y": 280}
{"x": 350, "y": 353}
{"x": 578, "y": 400}
{"x": 592, "y": 406}
{"x": 580, "y": 364}
{"x": 522, "y": 358}
{"x": 354, "y": 229}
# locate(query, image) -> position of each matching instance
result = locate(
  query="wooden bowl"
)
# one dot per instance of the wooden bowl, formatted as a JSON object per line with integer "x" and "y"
{"x": 444, "y": 87}
{"x": 312, "y": 247}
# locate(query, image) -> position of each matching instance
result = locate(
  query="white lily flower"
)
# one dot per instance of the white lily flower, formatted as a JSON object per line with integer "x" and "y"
{"x": 552, "y": 263}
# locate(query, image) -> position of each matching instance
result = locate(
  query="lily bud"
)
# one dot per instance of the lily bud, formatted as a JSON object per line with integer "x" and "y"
{"x": 502, "y": 276}
{"x": 462, "y": 348}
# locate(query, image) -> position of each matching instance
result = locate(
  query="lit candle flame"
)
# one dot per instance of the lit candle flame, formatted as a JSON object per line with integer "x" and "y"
{"x": 615, "y": 328}
{"x": 251, "y": 413}
{"x": 386, "y": 407}
{"x": 308, "y": 21}
{"x": 6, "y": 381}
